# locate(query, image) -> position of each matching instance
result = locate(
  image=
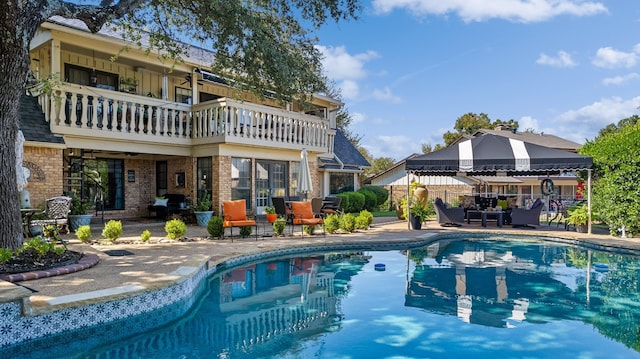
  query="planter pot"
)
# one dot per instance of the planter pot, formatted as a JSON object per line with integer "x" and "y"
{"x": 203, "y": 217}
{"x": 582, "y": 228}
{"x": 77, "y": 220}
{"x": 416, "y": 222}
{"x": 271, "y": 217}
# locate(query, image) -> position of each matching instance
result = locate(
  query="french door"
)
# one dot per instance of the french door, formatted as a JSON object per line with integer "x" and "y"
{"x": 271, "y": 181}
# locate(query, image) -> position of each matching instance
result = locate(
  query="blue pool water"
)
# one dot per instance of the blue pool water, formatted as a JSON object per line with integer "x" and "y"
{"x": 474, "y": 298}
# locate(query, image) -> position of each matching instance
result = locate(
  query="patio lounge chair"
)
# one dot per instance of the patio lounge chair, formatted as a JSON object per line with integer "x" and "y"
{"x": 331, "y": 205}
{"x": 521, "y": 217}
{"x": 448, "y": 216}
{"x": 303, "y": 215}
{"x": 282, "y": 210}
{"x": 235, "y": 215}
{"x": 56, "y": 213}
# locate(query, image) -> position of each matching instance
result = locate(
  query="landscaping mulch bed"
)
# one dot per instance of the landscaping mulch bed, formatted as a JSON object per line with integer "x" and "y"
{"x": 30, "y": 261}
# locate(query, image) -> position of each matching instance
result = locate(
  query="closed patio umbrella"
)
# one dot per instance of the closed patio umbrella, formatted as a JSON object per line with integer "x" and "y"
{"x": 304, "y": 181}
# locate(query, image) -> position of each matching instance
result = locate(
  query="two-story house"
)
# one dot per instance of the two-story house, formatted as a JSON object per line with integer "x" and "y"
{"x": 123, "y": 131}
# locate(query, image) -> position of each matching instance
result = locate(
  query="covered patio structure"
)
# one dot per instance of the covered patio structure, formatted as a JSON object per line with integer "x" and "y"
{"x": 498, "y": 156}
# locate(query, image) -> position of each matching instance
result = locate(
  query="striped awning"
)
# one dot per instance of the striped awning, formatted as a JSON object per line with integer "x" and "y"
{"x": 493, "y": 155}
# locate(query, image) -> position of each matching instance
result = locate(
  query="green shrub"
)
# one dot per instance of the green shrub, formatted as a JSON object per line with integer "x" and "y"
{"x": 361, "y": 222}
{"x": 215, "y": 227}
{"x": 175, "y": 228}
{"x": 83, "y": 233}
{"x": 370, "y": 199}
{"x": 38, "y": 245}
{"x": 278, "y": 226}
{"x": 366, "y": 217}
{"x": 112, "y": 230}
{"x": 382, "y": 194}
{"x": 356, "y": 202}
{"x": 245, "y": 231}
{"x": 344, "y": 204}
{"x": 309, "y": 229}
{"x": 347, "y": 222}
{"x": 5, "y": 255}
{"x": 145, "y": 236}
{"x": 332, "y": 223}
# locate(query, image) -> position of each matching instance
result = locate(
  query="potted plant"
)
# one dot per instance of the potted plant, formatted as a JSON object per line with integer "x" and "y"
{"x": 579, "y": 217}
{"x": 418, "y": 213}
{"x": 271, "y": 214}
{"x": 203, "y": 210}
{"x": 78, "y": 215}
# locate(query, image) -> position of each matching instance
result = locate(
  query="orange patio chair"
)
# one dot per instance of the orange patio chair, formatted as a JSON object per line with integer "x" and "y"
{"x": 235, "y": 215}
{"x": 303, "y": 215}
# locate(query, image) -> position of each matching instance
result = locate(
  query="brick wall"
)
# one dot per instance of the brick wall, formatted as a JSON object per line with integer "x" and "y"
{"x": 46, "y": 179}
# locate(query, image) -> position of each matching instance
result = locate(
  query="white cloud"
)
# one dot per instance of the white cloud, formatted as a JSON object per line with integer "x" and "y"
{"x": 357, "y": 117}
{"x": 562, "y": 59}
{"x": 396, "y": 147}
{"x": 480, "y": 10}
{"x": 620, "y": 80}
{"x": 346, "y": 69}
{"x": 610, "y": 58}
{"x": 386, "y": 95}
{"x": 528, "y": 123}
{"x": 585, "y": 122}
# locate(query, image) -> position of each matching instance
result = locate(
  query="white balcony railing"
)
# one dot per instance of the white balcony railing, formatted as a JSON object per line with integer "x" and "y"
{"x": 91, "y": 112}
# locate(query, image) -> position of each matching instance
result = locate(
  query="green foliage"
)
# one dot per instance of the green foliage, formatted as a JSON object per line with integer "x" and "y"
{"x": 112, "y": 230}
{"x": 370, "y": 199}
{"x": 332, "y": 223}
{"x": 145, "y": 236}
{"x": 278, "y": 226}
{"x": 215, "y": 226}
{"x": 616, "y": 160}
{"x": 309, "y": 229}
{"x": 83, "y": 233}
{"x": 5, "y": 255}
{"x": 245, "y": 231}
{"x": 175, "y": 228}
{"x": 204, "y": 203}
{"x": 578, "y": 215}
{"x": 403, "y": 204}
{"x": 367, "y": 216}
{"x": 420, "y": 210}
{"x": 347, "y": 222}
{"x": 38, "y": 245}
{"x": 269, "y": 210}
{"x": 382, "y": 194}
{"x": 361, "y": 222}
{"x": 78, "y": 206}
{"x": 344, "y": 203}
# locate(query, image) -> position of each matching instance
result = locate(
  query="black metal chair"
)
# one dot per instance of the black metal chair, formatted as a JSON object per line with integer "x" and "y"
{"x": 280, "y": 205}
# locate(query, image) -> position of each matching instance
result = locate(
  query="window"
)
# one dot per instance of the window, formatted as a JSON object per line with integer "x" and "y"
{"x": 340, "y": 182}
{"x": 183, "y": 95}
{"x": 204, "y": 176}
{"x": 102, "y": 182}
{"x": 241, "y": 179}
{"x": 161, "y": 178}
{"x": 83, "y": 76}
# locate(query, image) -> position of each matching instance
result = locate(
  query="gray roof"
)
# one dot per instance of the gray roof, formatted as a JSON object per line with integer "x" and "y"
{"x": 541, "y": 139}
{"x": 349, "y": 156}
{"x": 32, "y": 123}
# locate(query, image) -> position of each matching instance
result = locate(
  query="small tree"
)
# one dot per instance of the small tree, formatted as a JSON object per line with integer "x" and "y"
{"x": 112, "y": 230}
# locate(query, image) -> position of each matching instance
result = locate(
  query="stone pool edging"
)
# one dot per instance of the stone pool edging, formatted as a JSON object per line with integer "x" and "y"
{"x": 22, "y": 319}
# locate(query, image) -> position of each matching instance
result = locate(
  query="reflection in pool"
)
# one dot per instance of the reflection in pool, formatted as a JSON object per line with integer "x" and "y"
{"x": 472, "y": 298}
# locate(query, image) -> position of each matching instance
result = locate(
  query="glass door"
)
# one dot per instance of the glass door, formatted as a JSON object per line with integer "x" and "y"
{"x": 270, "y": 182}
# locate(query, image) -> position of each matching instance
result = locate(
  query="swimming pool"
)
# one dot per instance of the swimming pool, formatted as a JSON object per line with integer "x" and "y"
{"x": 484, "y": 297}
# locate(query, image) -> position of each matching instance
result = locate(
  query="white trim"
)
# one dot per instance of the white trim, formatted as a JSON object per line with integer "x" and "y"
{"x": 523, "y": 161}
{"x": 465, "y": 153}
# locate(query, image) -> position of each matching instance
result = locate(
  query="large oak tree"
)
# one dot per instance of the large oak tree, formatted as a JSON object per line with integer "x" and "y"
{"x": 262, "y": 45}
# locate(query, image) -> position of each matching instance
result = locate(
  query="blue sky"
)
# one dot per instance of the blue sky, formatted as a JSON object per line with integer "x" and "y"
{"x": 409, "y": 68}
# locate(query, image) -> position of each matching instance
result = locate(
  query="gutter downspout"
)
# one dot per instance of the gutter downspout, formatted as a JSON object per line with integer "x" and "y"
{"x": 340, "y": 162}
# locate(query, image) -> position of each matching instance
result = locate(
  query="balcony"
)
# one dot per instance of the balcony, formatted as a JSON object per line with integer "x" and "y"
{"x": 101, "y": 119}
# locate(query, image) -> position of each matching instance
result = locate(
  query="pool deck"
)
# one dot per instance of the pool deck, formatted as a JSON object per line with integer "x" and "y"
{"x": 161, "y": 263}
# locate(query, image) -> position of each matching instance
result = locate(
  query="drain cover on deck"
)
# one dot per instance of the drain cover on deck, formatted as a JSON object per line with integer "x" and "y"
{"x": 118, "y": 252}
